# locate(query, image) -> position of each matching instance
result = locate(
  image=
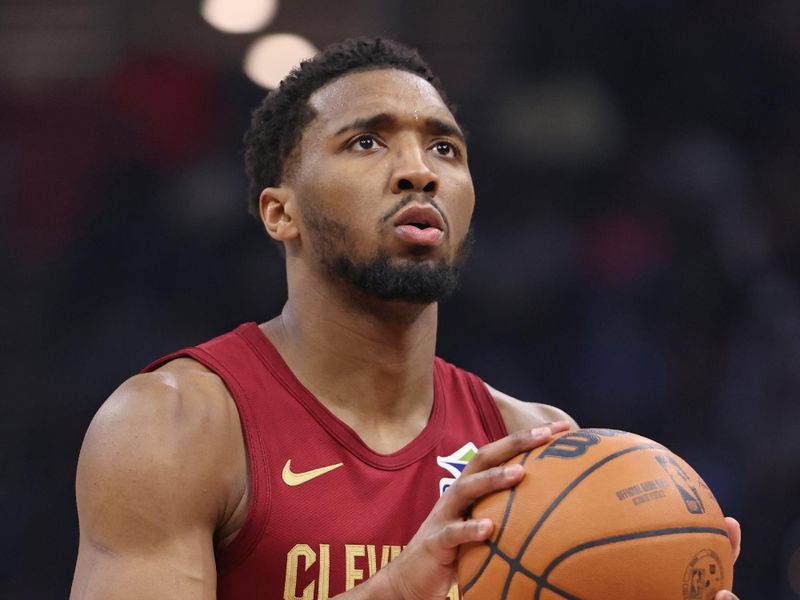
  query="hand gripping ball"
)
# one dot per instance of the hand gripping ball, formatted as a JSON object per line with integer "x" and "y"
{"x": 600, "y": 515}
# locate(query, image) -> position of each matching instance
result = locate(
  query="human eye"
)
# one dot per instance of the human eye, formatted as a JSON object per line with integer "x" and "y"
{"x": 364, "y": 143}
{"x": 446, "y": 149}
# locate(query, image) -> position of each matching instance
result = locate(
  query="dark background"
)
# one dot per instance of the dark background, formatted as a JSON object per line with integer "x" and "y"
{"x": 637, "y": 164}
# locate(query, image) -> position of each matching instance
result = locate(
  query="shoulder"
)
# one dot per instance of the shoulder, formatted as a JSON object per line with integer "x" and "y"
{"x": 526, "y": 415}
{"x": 180, "y": 401}
{"x": 160, "y": 449}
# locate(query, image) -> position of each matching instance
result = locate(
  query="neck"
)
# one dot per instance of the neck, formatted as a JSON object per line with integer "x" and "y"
{"x": 385, "y": 349}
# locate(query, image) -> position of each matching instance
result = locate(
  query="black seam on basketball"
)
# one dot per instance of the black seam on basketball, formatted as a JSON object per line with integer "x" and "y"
{"x": 493, "y": 548}
{"x": 554, "y": 504}
{"x": 614, "y": 539}
{"x": 522, "y": 570}
{"x": 544, "y": 584}
{"x": 514, "y": 563}
{"x": 531, "y": 575}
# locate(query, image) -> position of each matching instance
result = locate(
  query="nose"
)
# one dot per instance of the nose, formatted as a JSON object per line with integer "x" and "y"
{"x": 412, "y": 173}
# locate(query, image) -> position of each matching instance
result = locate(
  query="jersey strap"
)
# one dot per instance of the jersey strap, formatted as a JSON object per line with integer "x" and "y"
{"x": 339, "y": 509}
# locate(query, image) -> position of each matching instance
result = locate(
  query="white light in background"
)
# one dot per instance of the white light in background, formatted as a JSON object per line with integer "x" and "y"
{"x": 270, "y": 58}
{"x": 238, "y": 16}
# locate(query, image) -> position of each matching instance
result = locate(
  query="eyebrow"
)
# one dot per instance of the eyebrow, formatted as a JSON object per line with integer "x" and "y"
{"x": 385, "y": 120}
{"x": 440, "y": 127}
{"x": 374, "y": 122}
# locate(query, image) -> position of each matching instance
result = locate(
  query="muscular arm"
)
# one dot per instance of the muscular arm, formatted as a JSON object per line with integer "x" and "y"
{"x": 527, "y": 415}
{"x": 154, "y": 483}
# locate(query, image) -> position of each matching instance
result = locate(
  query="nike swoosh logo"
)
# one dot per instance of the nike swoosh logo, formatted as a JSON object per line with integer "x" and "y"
{"x": 291, "y": 478}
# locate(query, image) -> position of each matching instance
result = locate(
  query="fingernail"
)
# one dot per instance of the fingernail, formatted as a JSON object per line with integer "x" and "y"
{"x": 485, "y": 526}
{"x": 512, "y": 471}
{"x": 540, "y": 433}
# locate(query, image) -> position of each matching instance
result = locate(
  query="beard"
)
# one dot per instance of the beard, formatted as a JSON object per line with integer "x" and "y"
{"x": 413, "y": 279}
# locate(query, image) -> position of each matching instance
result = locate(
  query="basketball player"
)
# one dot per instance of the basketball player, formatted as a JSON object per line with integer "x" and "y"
{"x": 296, "y": 458}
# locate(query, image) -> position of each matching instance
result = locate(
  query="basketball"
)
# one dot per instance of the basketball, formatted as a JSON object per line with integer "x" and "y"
{"x": 600, "y": 515}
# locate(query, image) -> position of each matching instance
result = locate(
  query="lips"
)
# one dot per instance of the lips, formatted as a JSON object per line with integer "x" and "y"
{"x": 420, "y": 225}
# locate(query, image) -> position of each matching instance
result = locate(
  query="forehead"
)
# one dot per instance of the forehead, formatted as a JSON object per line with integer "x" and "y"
{"x": 392, "y": 91}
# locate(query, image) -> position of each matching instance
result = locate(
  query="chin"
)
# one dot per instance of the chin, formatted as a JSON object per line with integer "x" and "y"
{"x": 420, "y": 253}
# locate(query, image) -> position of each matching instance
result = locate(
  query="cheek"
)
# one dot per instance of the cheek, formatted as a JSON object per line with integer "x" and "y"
{"x": 320, "y": 193}
{"x": 343, "y": 190}
{"x": 357, "y": 197}
{"x": 335, "y": 200}
{"x": 463, "y": 207}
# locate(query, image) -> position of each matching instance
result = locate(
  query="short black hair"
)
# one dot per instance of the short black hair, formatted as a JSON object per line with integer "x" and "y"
{"x": 277, "y": 124}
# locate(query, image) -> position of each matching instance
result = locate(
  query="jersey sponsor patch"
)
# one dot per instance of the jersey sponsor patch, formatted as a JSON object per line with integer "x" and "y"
{"x": 454, "y": 464}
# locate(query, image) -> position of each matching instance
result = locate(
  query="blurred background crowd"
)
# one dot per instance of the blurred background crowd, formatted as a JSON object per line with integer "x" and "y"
{"x": 637, "y": 166}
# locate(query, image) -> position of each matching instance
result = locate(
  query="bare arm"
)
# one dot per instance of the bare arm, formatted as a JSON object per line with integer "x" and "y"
{"x": 152, "y": 490}
{"x": 527, "y": 415}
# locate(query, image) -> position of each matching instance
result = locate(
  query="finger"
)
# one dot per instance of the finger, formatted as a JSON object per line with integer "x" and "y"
{"x": 461, "y": 532}
{"x": 735, "y": 535}
{"x": 508, "y": 447}
{"x": 725, "y": 595}
{"x": 468, "y": 488}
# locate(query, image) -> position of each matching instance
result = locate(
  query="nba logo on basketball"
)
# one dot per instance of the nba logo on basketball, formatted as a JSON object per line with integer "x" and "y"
{"x": 697, "y": 586}
{"x": 454, "y": 464}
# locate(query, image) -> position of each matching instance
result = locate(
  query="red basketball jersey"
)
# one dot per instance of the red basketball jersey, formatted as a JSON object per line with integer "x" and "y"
{"x": 326, "y": 511}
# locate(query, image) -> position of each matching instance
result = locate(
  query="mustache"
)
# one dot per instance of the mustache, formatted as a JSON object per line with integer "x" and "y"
{"x": 408, "y": 199}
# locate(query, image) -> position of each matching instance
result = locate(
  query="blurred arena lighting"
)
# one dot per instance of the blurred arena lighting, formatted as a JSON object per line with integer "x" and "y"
{"x": 569, "y": 121}
{"x": 238, "y": 16}
{"x": 270, "y": 58}
{"x": 44, "y": 43}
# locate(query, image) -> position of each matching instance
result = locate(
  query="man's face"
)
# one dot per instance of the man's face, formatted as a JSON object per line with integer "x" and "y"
{"x": 383, "y": 186}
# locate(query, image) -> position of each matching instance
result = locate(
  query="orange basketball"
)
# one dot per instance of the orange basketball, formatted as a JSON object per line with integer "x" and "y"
{"x": 600, "y": 515}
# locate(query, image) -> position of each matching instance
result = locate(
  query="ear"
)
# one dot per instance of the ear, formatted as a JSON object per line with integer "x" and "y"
{"x": 276, "y": 206}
